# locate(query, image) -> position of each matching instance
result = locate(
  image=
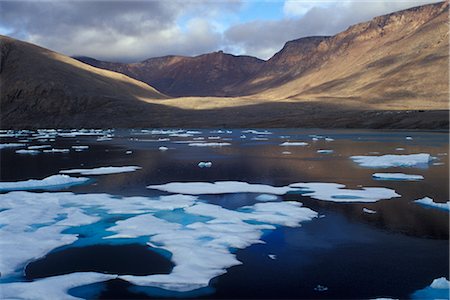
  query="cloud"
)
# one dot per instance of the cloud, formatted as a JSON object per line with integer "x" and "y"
{"x": 136, "y": 30}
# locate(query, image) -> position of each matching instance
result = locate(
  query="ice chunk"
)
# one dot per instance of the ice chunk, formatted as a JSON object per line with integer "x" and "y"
{"x": 429, "y": 202}
{"x": 259, "y": 139}
{"x": 208, "y": 144}
{"x": 409, "y": 138}
{"x": 337, "y": 193}
{"x": 294, "y": 144}
{"x": 11, "y": 145}
{"x": 266, "y": 197}
{"x": 55, "y": 287}
{"x": 128, "y": 152}
{"x": 163, "y": 148}
{"x": 440, "y": 283}
{"x": 218, "y": 187}
{"x": 286, "y": 152}
{"x": 320, "y": 288}
{"x": 396, "y": 176}
{"x": 392, "y": 160}
{"x": 399, "y": 149}
{"x": 329, "y": 139}
{"x": 214, "y": 138}
{"x": 101, "y": 170}
{"x": 48, "y": 183}
{"x": 256, "y": 131}
{"x": 181, "y": 134}
{"x": 36, "y": 147}
{"x": 205, "y": 164}
{"x": 272, "y": 256}
{"x": 369, "y": 211}
{"x": 324, "y": 151}
{"x": 27, "y": 151}
{"x": 56, "y": 151}
{"x": 80, "y": 148}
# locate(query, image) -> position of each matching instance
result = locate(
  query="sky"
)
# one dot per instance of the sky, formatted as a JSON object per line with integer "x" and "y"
{"x": 130, "y": 31}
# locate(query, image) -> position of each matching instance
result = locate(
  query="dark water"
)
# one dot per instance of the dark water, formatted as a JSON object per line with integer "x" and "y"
{"x": 392, "y": 253}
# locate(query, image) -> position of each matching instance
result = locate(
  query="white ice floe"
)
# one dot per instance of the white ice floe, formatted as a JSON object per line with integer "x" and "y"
{"x": 11, "y": 145}
{"x": 438, "y": 289}
{"x": 200, "y": 138}
{"x": 429, "y": 202}
{"x": 266, "y": 197}
{"x": 191, "y": 232}
{"x": 104, "y": 138}
{"x": 369, "y": 211}
{"x": 393, "y": 160}
{"x": 259, "y": 139}
{"x": 396, "y": 176}
{"x": 214, "y": 137}
{"x": 51, "y": 182}
{"x": 53, "y": 150}
{"x": 324, "y": 151}
{"x": 218, "y": 187}
{"x": 80, "y": 148}
{"x": 163, "y": 148}
{"x": 102, "y": 170}
{"x": 27, "y": 151}
{"x": 317, "y": 190}
{"x": 128, "y": 152}
{"x": 181, "y": 135}
{"x": 400, "y": 149}
{"x": 208, "y": 144}
{"x": 337, "y": 192}
{"x": 37, "y": 147}
{"x": 213, "y": 239}
{"x": 256, "y": 131}
{"x": 272, "y": 256}
{"x": 294, "y": 144}
{"x": 409, "y": 138}
{"x": 55, "y": 287}
{"x": 205, "y": 164}
{"x": 286, "y": 152}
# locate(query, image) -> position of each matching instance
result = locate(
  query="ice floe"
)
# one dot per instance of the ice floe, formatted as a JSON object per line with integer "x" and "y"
{"x": 48, "y": 183}
{"x": 369, "y": 211}
{"x": 37, "y": 147}
{"x": 27, "y": 151}
{"x": 396, "y": 176}
{"x": 325, "y": 151}
{"x": 163, "y": 148}
{"x": 201, "y": 248}
{"x": 56, "y": 151}
{"x": 429, "y": 202}
{"x": 11, "y": 145}
{"x": 272, "y": 256}
{"x": 101, "y": 170}
{"x": 80, "y": 148}
{"x": 256, "y": 131}
{"x": 205, "y": 164}
{"x": 317, "y": 190}
{"x": 294, "y": 144}
{"x": 393, "y": 160}
{"x": 208, "y": 144}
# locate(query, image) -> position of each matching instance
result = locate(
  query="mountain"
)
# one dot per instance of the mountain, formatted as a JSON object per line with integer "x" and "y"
{"x": 202, "y": 75}
{"x": 399, "y": 61}
{"x": 37, "y": 84}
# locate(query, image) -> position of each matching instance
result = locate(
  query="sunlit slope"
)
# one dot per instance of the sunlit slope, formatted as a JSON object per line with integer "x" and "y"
{"x": 36, "y": 81}
{"x": 397, "y": 61}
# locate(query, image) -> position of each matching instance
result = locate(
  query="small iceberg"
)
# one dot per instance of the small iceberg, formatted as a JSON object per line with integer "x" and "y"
{"x": 438, "y": 289}
{"x": 396, "y": 176}
{"x": 393, "y": 160}
{"x": 294, "y": 144}
{"x": 37, "y": 147}
{"x": 11, "y": 145}
{"x": 27, "y": 151}
{"x": 369, "y": 211}
{"x": 324, "y": 151}
{"x": 256, "y": 131}
{"x": 205, "y": 164}
{"x": 80, "y": 148}
{"x": 272, "y": 256}
{"x": 429, "y": 202}
{"x": 48, "y": 183}
{"x": 320, "y": 288}
{"x": 53, "y": 150}
{"x": 101, "y": 170}
{"x": 163, "y": 148}
{"x": 208, "y": 144}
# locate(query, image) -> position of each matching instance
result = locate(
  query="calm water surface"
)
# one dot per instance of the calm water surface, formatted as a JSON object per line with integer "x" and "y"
{"x": 392, "y": 253}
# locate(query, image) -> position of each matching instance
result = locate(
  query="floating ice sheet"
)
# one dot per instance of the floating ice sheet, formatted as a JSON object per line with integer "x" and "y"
{"x": 48, "y": 183}
{"x": 208, "y": 144}
{"x": 317, "y": 190}
{"x": 396, "y": 176}
{"x": 429, "y": 202}
{"x": 393, "y": 160}
{"x": 101, "y": 170}
{"x": 325, "y": 151}
{"x": 27, "y": 151}
{"x": 11, "y": 145}
{"x": 369, "y": 211}
{"x": 294, "y": 144}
